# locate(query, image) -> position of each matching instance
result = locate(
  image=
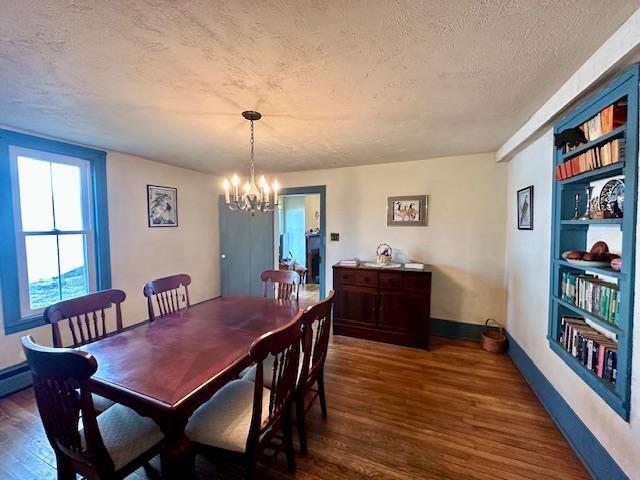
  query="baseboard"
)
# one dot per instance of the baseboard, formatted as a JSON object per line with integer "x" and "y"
{"x": 459, "y": 330}
{"x": 595, "y": 458}
{"x": 14, "y": 378}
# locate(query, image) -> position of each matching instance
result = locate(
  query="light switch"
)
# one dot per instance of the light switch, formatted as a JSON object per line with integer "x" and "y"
{"x": 335, "y": 237}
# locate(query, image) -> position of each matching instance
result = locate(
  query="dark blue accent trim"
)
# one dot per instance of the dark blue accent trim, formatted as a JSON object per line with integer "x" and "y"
{"x": 451, "y": 329}
{"x": 8, "y": 265}
{"x": 14, "y": 378}
{"x": 322, "y": 190}
{"x": 595, "y": 458}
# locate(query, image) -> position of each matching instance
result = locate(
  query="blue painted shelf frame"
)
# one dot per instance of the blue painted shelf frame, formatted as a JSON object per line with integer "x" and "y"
{"x": 572, "y": 235}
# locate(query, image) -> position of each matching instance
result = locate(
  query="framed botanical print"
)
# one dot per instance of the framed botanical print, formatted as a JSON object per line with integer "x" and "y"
{"x": 407, "y": 211}
{"x": 525, "y": 208}
{"x": 162, "y": 206}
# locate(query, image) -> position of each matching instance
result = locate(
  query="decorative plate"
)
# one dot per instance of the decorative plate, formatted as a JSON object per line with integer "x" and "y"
{"x": 611, "y": 198}
{"x": 585, "y": 263}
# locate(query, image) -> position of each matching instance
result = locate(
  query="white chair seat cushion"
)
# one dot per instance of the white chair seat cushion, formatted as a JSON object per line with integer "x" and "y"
{"x": 101, "y": 404}
{"x": 267, "y": 371}
{"x": 224, "y": 421}
{"x": 126, "y": 435}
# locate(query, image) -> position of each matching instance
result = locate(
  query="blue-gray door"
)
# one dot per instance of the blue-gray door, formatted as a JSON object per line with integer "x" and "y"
{"x": 246, "y": 249}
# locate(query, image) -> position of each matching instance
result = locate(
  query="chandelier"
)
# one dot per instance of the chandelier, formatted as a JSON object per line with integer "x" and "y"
{"x": 255, "y": 197}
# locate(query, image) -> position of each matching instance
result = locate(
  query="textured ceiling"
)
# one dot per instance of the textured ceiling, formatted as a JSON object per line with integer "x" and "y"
{"x": 339, "y": 83}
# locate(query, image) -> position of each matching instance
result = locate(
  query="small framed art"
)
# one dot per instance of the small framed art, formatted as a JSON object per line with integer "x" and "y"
{"x": 407, "y": 211}
{"x": 525, "y": 208}
{"x": 162, "y": 206}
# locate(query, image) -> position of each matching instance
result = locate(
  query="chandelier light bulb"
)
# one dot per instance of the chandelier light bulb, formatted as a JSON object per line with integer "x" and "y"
{"x": 235, "y": 180}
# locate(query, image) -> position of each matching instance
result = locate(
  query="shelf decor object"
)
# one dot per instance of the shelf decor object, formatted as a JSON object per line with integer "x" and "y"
{"x": 255, "y": 197}
{"x": 591, "y": 305}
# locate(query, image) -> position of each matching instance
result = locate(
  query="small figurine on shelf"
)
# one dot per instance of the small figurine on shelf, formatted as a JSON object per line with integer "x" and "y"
{"x": 576, "y": 208}
{"x": 383, "y": 254}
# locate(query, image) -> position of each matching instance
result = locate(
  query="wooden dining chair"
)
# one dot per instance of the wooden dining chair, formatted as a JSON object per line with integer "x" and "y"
{"x": 243, "y": 418}
{"x": 86, "y": 321}
{"x": 109, "y": 446}
{"x": 167, "y": 294}
{"x": 85, "y": 317}
{"x": 285, "y": 283}
{"x": 316, "y": 321}
{"x": 315, "y": 345}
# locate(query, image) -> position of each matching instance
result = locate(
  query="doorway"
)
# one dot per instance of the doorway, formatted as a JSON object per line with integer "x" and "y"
{"x": 300, "y": 241}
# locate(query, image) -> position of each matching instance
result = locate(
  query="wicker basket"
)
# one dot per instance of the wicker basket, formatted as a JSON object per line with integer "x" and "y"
{"x": 492, "y": 338}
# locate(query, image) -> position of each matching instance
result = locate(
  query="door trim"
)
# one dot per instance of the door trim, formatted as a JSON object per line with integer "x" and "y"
{"x": 322, "y": 191}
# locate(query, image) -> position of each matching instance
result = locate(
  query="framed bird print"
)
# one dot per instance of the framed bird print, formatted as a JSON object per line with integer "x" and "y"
{"x": 162, "y": 206}
{"x": 408, "y": 211}
{"x": 525, "y": 208}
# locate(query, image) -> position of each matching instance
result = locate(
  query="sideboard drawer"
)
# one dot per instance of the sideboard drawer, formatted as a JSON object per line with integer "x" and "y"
{"x": 391, "y": 280}
{"x": 366, "y": 278}
{"x": 415, "y": 281}
{"x": 344, "y": 276}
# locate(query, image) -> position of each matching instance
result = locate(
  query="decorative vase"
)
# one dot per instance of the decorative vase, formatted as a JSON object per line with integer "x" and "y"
{"x": 383, "y": 254}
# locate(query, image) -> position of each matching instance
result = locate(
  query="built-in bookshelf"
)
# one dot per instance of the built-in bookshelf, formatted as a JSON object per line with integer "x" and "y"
{"x": 591, "y": 307}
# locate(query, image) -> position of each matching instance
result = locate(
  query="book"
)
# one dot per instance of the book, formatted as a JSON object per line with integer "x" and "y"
{"x": 350, "y": 262}
{"x": 414, "y": 265}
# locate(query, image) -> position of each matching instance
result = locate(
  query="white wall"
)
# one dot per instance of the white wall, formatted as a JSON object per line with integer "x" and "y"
{"x": 463, "y": 240}
{"x": 140, "y": 253}
{"x": 527, "y": 264}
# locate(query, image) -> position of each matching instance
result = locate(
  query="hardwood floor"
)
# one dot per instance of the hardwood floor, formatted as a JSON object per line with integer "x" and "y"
{"x": 397, "y": 413}
{"x": 309, "y": 294}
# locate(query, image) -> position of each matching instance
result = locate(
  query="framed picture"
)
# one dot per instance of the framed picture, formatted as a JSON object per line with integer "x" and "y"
{"x": 162, "y": 206}
{"x": 525, "y": 208}
{"x": 409, "y": 211}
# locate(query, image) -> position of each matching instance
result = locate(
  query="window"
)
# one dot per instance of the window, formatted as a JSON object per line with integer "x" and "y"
{"x": 54, "y": 241}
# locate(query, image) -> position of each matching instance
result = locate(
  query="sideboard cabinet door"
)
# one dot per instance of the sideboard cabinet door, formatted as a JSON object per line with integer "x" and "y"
{"x": 355, "y": 306}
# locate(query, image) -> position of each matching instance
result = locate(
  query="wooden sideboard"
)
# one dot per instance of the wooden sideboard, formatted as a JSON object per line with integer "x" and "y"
{"x": 383, "y": 304}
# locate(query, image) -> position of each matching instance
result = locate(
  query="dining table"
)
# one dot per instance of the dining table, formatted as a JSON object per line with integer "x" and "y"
{"x": 165, "y": 369}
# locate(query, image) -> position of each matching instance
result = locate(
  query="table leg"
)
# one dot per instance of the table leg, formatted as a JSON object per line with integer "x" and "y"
{"x": 176, "y": 457}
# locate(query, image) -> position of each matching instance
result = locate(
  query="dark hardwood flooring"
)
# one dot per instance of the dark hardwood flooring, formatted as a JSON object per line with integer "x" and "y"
{"x": 398, "y": 413}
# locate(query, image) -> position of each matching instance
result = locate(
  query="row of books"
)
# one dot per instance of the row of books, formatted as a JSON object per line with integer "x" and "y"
{"x": 608, "y": 154}
{"x": 592, "y": 349}
{"x": 605, "y": 121}
{"x": 593, "y": 295}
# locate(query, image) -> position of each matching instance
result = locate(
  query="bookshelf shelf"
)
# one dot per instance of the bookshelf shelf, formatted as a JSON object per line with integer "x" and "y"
{"x": 607, "y": 137}
{"x": 597, "y": 174}
{"x": 594, "y": 221}
{"x": 621, "y": 97}
{"x": 594, "y": 318}
{"x": 609, "y": 272}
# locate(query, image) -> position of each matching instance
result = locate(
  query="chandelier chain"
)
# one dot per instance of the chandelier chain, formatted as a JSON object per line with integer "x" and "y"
{"x": 251, "y": 161}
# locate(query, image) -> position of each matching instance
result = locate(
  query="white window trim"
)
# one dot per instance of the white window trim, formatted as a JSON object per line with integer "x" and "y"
{"x": 20, "y": 235}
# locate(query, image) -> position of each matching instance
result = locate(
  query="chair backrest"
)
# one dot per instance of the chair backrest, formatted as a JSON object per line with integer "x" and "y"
{"x": 58, "y": 374}
{"x": 284, "y": 345}
{"x": 285, "y": 283}
{"x": 315, "y": 343}
{"x": 167, "y": 293}
{"x": 85, "y": 317}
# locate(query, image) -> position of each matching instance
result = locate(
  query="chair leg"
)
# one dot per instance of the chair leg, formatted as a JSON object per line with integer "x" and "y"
{"x": 323, "y": 400}
{"x": 65, "y": 472}
{"x": 300, "y": 423}
{"x": 288, "y": 439}
{"x": 250, "y": 468}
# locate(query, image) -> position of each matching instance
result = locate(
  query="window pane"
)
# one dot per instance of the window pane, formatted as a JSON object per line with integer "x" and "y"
{"x": 67, "y": 196}
{"x": 34, "y": 177}
{"x": 73, "y": 266}
{"x": 42, "y": 270}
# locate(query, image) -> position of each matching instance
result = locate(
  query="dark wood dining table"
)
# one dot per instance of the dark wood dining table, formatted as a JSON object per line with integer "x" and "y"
{"x": 167, "y": 368}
